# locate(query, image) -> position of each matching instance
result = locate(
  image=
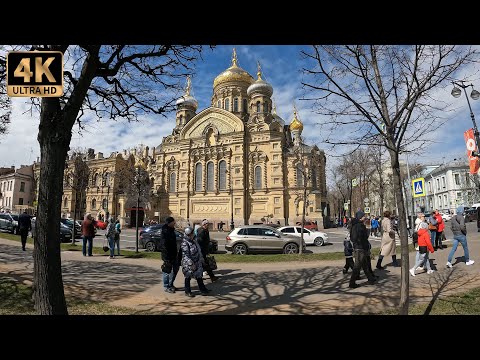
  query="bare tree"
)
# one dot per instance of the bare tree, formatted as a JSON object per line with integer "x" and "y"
{"x": 112, "y": 81}
{"x": 77, "y": 174}
{"x": 5, "y": 103}
{"x": 386, "y": 92}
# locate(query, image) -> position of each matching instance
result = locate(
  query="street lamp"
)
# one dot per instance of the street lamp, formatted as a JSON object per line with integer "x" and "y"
{"x": 475, "y": 95}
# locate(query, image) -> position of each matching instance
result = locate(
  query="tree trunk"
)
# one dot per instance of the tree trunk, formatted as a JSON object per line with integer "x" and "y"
{"x": 136, "y": 224}
{"x": 47, "y": 277}
{"x": 404, "y": 281}
{"x": 74, "y": 217}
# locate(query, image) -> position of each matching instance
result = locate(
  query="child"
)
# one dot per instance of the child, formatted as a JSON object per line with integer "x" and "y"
{"x": 348, "y": 251}
{"x": 424, "y": 246}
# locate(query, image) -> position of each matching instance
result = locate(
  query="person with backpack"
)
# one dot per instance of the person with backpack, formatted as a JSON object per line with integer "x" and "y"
{"x": 459, "y": 236}
{"x": 432, "y": 226}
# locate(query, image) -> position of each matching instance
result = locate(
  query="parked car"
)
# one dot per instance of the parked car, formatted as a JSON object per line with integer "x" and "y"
{"x": 149, "y": 228}
{"x": 446, "y": 217}
{"x": 471, "y": 215}
{"x": 65, "y": 232}
{"x": 261, "y": 238}
{"x": 151, "y": 240}
{"x": 9, "y": 222}
{"x": 69, "y": 224}
{"x": 309, "y": 225}
{"x": 310, "y": 237}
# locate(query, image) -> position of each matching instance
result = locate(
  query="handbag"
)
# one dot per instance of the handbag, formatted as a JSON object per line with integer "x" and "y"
{"x": 211, "y": 262}
{"x": 167, "y": 267}
{"x": 105, "y": 247}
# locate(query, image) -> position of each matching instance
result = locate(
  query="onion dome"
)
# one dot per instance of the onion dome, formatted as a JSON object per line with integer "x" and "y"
{"x": 187, "y": 99}
{"x": 260, "y": 86}
{"x": 296, "y": 124}
{"x": 233, "y": 73}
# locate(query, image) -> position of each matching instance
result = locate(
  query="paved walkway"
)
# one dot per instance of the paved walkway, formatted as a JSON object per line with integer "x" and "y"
{"x": 262, "y": 288}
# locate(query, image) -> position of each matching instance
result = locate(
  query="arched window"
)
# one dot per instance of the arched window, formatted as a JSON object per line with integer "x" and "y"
{"x": 314, "y": 178}
{"x": 227, "y": 104}
{"x": 265, "y": 107}
{"x": 107, "y": 179}
{"x": 222, "y": 175}
{"x": 198, "y": 177}
{"x": 219, "y": 103}
{"x": 245, "y": 105}
{"x": 180, "y": 120}
{"x": 258, "y": 177}
{"x": 258, "y": 106}
{"x": 210, "y": 179}
{"x": 65, "y": 202}
{"x": 94, "y": 180}
{"x": 299, "y": 175}
{"x": 173, "y": 178}
{"x": 104, "y": 204}
{"x": 235, "y": 104}
{"x": 94, "y": 204}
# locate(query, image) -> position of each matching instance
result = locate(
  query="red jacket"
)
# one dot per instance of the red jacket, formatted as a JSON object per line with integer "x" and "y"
{"x": 424, "y": 239}
{"x": 441, "y": 224}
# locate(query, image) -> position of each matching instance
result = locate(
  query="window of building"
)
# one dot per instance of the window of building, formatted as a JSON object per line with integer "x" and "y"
{"x": 227, "y": 104}
{"x": 299, "y": 175}
{"x": 444, "y": 184}
{"x": 182, "y": 185}
{"x": 65, "y": 202}
{"x": 107, "y": 179}
{"x": 237, "y": 147}
{"x": 311, "y": 209}
{"x": 276, "y": 211}
{"x": 258, "y": 177}
{"x": 184, "y": 164}
{"x": 94, "y": 204}
{"x": 258, "y": 106}
{"x": 438, "y": 184}
{"x": 314, "y": 178}
{"x": 237, "y": 183}
{"x": 265, "y": 107}
{"x": 276, "y": 181}
{"x": 210, "y": 178}
{"x": 235, "y": 104}
{"x": 439, "y": 201}
{"x": 237, "y": 201}
{"x": 20, "y": 201}
{"x": 182, "y": 212}
{"x": 237, "y": 158}
{"x": 22, "y": 187}
{"x": 237, "y": 211}
{"x": 445, "y": 202}
{"x": 245, "y": 105}
{"x": 198, "y": 177}
{"x": 275, "y": 169}
{"x": 104, "y": 204}
{"x": 222, "y": 175}
{"x": 275, "y": 146}
{"x": 459, "y": 195}
{"x": 173, "y": 179}
{"x": 467, "y": 179}
{"x": 429, "y": 186}
{"x": 182, "y": 202}
{"x": 276, "y": 200}
{"x": 457, "y": 179}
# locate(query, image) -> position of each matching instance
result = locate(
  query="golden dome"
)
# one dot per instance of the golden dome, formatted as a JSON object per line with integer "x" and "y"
{"x": 296, "y": 124}
{"x": 233, "y": 73}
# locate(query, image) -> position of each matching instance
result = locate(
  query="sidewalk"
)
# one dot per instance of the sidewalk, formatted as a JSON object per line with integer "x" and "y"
{"x": 261, "y": 288}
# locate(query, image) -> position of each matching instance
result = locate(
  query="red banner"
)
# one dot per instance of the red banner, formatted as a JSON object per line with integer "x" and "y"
{"x": 471, "y": 146}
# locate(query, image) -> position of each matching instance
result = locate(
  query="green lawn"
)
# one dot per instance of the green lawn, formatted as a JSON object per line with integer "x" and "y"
{"x": 16, "y": 299}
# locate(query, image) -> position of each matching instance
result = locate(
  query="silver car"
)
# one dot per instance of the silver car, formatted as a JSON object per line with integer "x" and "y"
{"x": 261, "y": 238}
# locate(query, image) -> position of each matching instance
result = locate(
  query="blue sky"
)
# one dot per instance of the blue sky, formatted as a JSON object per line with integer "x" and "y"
{"x": 281, "y": 67}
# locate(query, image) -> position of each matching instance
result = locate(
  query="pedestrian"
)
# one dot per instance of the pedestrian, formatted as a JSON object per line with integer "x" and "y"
{"x": 432, "y": 226}
{"x": 88, "y": 232}
{"x": 388, "y": 246}
{"x": 368, "y": 225}
{"x": 118, "y": 230}
{"x": 348, "y": 251}
{"x": 170, "y": 254}
{"x": 203, "y": 238}
{"x": 110, "y": 235}
{"x": 375, "y": 226}
{"x": 24, "y": 226}
{"x": 459, "y": 236}
{"x": 440, "y": 228}
{"x": 424, "y": 246}
{"x": 359, "y": 238}
{"x": 192, "y": 263}
{"x": 418, "y": 221}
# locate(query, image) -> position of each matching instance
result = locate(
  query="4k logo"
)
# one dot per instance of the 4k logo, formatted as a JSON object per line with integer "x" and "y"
{"x": 35, "y": 73}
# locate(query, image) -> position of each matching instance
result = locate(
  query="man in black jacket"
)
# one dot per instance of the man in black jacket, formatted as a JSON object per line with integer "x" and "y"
{"x": 24, "y": 226}
{"x": 203, "y": 239}
{"x": 359, "y": 238}
{"x": 170, "y": 254}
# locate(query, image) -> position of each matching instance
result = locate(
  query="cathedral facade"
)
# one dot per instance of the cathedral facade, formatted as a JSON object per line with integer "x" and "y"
{"x": 236, "y": 161}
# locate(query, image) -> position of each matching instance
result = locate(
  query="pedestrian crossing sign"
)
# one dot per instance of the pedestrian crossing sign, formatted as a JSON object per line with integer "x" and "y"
{"x": 418, "y": 187}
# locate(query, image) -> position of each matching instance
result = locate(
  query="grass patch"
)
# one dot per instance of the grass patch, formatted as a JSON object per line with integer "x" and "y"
{"x": 467, "y": 303}
{"x": 16, "y": 299}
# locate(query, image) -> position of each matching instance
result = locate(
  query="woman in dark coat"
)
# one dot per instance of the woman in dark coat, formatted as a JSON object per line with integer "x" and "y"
{"x": 192, "y": 263}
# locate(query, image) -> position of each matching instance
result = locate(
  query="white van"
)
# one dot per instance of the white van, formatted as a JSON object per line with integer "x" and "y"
{"x": 475, "y": 206}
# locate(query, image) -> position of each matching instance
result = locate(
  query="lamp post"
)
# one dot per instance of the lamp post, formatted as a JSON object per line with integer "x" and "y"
{"x": 475, "y": 95}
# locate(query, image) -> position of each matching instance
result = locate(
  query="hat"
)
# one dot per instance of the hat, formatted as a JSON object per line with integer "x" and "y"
{"x": 460, "y": 210}
{"x": 188, "y": 230}
{"x": 169, "y": 219}
{"x": 204, "y": 222}
{"x": 359, "y": 214}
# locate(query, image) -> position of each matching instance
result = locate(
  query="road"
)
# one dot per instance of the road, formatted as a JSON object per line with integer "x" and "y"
{"x": 335, "y": 237}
